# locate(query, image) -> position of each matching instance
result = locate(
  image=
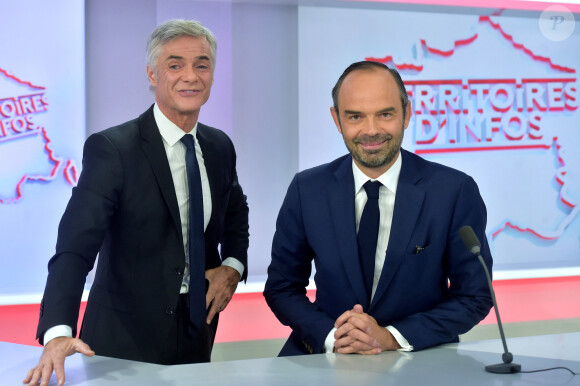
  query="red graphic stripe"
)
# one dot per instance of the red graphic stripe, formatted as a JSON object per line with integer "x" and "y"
{"x": 508, "y": 224}
{"x": 19, "y": 80}
{"x": 27, "y": 177}
{"x": 457, "y": 43}
{"x": 488, "y": 81}
{"x": 560, "y": 176}
{"x": 401, "y": 66}
{"x": 70, "y": 172}
{"x": 548, "y": 80}
{"x": 520, "y": 46}
{"x": 435, "y": 82}
{"x": 485, "y": 81}
{"x": 469, "y": 40}
{"x": 557, "y": 233}
{"x": 486, "y": 148}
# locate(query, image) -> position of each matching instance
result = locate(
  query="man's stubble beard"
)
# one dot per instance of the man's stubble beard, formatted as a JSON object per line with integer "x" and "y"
{"x": 377, "y": 158}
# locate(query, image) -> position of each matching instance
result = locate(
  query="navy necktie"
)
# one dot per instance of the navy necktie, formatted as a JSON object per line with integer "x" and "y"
{"x": 196, "y": 242}
{"x": 368, "y": 232}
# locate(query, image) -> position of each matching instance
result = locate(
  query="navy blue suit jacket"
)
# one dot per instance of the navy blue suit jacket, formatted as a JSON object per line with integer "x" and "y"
{"x": 125, "y": 208}
{"x": 317, "y": 224}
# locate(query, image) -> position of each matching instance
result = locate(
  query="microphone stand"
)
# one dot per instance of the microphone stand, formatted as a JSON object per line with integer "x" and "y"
{"x": 507, "y": 367}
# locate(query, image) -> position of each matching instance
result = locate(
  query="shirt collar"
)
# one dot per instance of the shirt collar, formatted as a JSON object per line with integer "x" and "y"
{"x": 170, "y": 132}
{"x": 390, "y": 178}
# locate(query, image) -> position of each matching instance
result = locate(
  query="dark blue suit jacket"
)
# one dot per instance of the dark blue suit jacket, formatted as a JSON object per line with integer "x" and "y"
{"x": 125, "y": 208}
{"x": 317, "y": 224}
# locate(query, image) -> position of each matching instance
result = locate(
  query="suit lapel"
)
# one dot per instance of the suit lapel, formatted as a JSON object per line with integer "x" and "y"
{"x": 210, "y": 160}
{"x": 408, "y": 202}
{"x": 152, "y": 145}
{"x": 341, "y": 198}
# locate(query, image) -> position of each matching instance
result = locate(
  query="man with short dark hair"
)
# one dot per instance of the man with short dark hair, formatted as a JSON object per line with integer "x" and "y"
{"x": 381, "y": 227}
{"x": 156, "y": 197}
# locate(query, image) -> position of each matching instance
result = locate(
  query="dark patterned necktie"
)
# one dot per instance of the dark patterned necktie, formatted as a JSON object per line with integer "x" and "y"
{"x": 368, "y": 232}
{"x": 196, "y": 241}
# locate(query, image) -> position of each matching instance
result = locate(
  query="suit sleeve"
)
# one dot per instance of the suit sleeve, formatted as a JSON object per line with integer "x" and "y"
{"x": 80, "y": 234}
{"x": 288, "y": 276}
{"x": 235, "y": 238}
{"x": 467, "y": 299}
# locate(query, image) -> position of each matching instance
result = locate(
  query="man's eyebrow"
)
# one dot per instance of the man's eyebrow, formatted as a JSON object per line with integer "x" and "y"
{"x": 385, "y": 110}
{"x": 176, "y": 57}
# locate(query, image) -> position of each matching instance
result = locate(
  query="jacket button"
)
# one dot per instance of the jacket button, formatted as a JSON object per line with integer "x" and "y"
{"x": 169, "y": 310}
{"x": 178, "y": 271}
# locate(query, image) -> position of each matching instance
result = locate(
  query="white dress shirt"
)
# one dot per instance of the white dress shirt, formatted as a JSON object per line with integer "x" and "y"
{"x": 175, "y": 150}
{"x": 387, "y": 192}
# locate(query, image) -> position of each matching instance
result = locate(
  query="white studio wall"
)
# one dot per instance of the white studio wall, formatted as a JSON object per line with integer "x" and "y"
{"x": 42, "y": 130}
{"x": 494, "y": 93}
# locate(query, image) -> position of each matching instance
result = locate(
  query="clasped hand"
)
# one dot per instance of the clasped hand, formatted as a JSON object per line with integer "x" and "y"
{"x": 359, "y": 333}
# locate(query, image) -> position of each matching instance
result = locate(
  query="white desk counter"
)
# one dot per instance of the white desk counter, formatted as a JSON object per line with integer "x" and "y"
{"x": 453, "y": 364}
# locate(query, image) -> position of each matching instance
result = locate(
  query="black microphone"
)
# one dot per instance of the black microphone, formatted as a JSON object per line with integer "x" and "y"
{"x": 472, "y": 244}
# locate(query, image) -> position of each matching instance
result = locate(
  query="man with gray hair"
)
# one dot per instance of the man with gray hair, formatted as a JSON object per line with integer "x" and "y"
{"x": 158, "y": 199}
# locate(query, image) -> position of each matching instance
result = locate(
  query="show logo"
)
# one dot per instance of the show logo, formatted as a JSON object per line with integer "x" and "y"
{"x": 474, "y": 114}
{"x": 26, "y": 153}
{"x": 486, "y": 114}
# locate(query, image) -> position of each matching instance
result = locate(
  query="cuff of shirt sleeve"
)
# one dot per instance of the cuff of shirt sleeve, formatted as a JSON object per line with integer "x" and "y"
{"x": 235, "y": 264}
{"x": 329, "y": 342}
{"x": 405, "y": 346}
{"x": 56, "y": 332}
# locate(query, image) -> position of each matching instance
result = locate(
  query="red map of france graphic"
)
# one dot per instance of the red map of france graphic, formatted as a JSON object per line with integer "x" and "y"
{"x": 27, "y": 154}
{"x": 561, "y": 93}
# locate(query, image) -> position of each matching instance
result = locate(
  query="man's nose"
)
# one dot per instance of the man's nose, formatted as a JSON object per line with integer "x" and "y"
{"x": 372, "y": 126}
{"x": 190, "y": 74}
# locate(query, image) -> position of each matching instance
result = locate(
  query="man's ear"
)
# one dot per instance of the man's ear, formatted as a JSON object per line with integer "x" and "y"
{"x": 151, "y": 76}
{"x": 408, "y": 113}
{"x": 336, "y": 119}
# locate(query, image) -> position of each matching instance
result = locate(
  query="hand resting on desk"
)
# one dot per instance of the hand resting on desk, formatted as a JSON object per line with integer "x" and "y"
{"x": 52, "y": 359}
